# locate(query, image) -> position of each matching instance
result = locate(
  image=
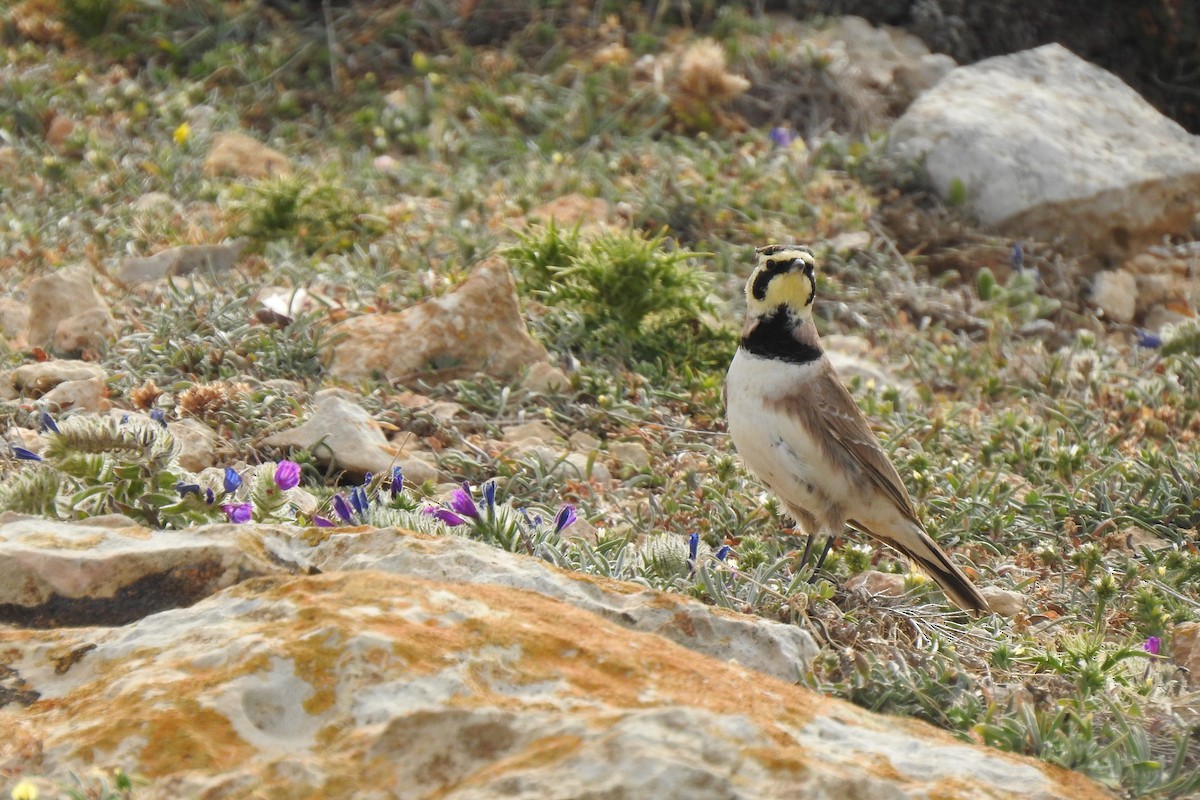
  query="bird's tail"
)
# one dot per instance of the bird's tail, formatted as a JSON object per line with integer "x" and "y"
{"x": 932, "y": 559}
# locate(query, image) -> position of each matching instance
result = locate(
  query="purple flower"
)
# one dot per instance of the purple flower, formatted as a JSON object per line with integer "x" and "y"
{"x": 342, "y": 508}
{"x": 489, "y": 494}
{"x": 237, "y": 512}
{"x": 780, "y": 136}
{"x": 693, "y": 547}
{"x": 461, "y": 502}
{"x": 1148, "y": 339}
{"x": 1152, "y": 645}
{"x": 564, "y": 518}
{"x": 48, "y": 423}
{"x": 722, "y": 553}
{"x": 232, "y": 480}
{"x": 287, "y": 475}
{"x": 359, "y": 499}
{"x": 445, "y": 515}
{"x": 367, "y": 476}
{"x": 1018, "y": 256}
{"x": 321, "y": 522}
{"x": 210, "y": 496}
{"x": 185, "y": 489}
{"x": 25, "y": 455}
{"x": 159, "y": 416}
{"x": 397, "y": 481}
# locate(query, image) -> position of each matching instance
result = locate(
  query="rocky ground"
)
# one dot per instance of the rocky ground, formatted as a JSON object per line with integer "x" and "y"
{"x": 362, "y": 393}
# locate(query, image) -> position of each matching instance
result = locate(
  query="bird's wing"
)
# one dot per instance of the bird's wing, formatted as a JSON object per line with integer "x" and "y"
{"x": 831, "y": 415}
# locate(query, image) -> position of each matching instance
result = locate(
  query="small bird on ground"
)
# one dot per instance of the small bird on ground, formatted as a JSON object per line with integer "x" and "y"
{"x": 801, "y": 433}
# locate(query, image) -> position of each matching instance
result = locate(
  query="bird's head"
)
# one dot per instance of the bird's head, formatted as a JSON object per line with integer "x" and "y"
{"x": 784, "y": 278}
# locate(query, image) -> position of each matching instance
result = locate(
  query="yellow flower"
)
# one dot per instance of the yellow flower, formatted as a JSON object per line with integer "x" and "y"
{"x": 182, "y": 134}
{"x": 25, "y": 790}
{"x": 420, "y": 62}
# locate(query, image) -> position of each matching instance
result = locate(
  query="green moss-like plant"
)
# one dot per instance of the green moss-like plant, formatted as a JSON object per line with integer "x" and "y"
{"x": 624, "y": 297}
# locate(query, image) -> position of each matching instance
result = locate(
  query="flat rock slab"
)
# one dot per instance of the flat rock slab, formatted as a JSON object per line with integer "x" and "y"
{"x": 110, "y": 571}
{"x": 769, "y": 647}
{"x": 1045, "y": 144}
{"x": 373, "y": 685}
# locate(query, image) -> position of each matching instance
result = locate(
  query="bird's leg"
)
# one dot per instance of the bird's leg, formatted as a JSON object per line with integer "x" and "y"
{"x": 808, "y": 542}
{"x": 824, "y": 552}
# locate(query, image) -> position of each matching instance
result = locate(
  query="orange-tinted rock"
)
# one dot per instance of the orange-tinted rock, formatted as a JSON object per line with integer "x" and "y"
{"x": 323, "y": 686}
{"x": 477, "y": 327}
{"x": 240, "y": 156}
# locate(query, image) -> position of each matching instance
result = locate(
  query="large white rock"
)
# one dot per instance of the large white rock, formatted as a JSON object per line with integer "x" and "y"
{"x": 370, "y": 685}
{"x": 1046, "y": 144}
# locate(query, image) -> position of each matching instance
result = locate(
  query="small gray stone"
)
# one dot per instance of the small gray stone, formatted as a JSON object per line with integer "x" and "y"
{"x": 211, "y": 259}
{"x": 341, "y": 433}
{"x": 630, "y": 454}
{"x": 1004, "y": 602}
{"x": 1115, "y": 293}
{"x": 85, "y": 395}
{"x": 536, "y": 431}
{"x": 37, "y": 379}
{"x": 197, "y": 444}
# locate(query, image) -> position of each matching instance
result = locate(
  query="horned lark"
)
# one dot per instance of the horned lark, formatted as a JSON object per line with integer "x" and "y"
{"x": 801, "y": 433}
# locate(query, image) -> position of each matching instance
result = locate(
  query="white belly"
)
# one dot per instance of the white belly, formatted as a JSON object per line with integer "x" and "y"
{"x": 774, "y": 446}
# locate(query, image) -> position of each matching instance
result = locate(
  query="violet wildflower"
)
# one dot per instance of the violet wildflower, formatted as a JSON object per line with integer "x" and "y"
{"x": 232, "y": 480}
{"x": 1152, "y": 645}
{"x": 25, "y": 455}
{"x": 359, "y": 499}
{"x": 367, "y": 476}
{"x": 237, "y": 512}
{"x": 1018, "y": 256}
{"x": 321, "y": 522}
{"x": 185, "y": 489}
{"x": 159, "y": 416}
{"x": 287, "y": 475}
{"x": 397, "y": 481}
{"x": 780, "y": 136}
{"x": 489, "y": 494}
{"x": 342, "y": 508}
{"x": 445, "y": 515}
{"x": 461, "y": 502}
{"x": 722, "y": 552}
{"x": 693, "y": 547}
{"x": 48, "y": 423}
{"x": 564, "y": 518}
{"x": 1148, "y": 339}
{"x": 210, "y": 496}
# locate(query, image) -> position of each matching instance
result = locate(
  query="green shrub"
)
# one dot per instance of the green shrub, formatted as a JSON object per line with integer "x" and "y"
{"x": 319, "y": 217}
{"x": 622, "y": 296}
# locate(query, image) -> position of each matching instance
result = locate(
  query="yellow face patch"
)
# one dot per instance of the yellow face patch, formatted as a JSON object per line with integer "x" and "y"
{"x": 793, "y": 289}
{"x": 783, "y": 279}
